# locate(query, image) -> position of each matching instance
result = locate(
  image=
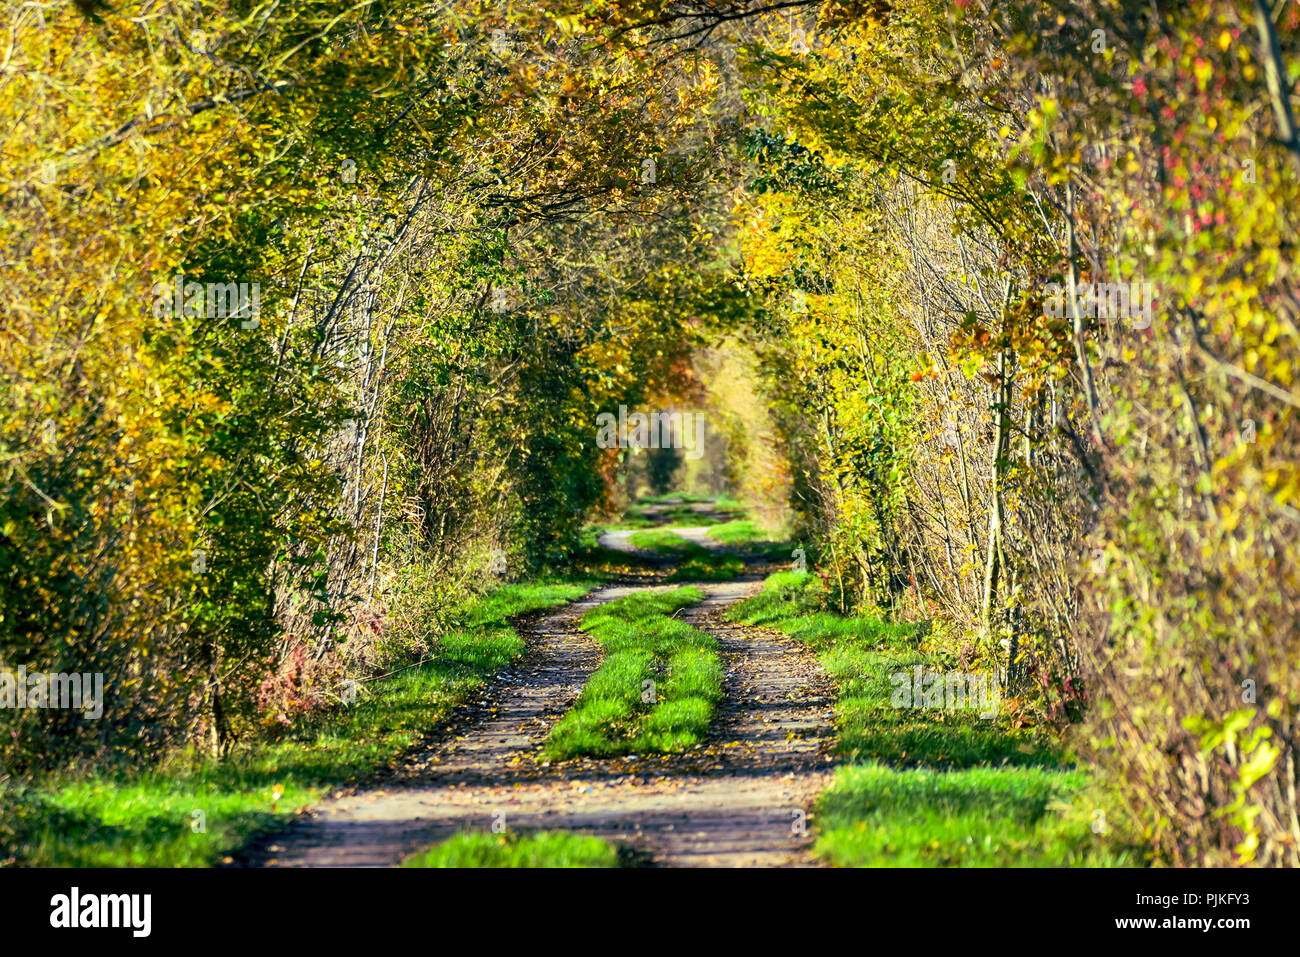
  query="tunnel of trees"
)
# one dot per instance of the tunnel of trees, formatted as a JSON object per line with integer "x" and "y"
{"x": 311, "y": 307}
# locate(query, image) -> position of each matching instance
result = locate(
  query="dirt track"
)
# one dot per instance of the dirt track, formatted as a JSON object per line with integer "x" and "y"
{"x": 742, "y": 799}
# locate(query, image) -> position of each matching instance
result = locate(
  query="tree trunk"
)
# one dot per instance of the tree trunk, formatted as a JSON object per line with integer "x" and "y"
{"x": 1270, "y": 53}
{"x": 992, "y": 567}
{"x": 1076, "y": 320}
{"x": 217, "y": 732}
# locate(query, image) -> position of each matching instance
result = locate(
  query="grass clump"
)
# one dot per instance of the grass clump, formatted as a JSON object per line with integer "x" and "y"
{"x": 704, "y": 564}
{"x": 659, "y": 540}
{"x": 878, "y": 816}
{"x": 738, "y": 532}
{"x": 542, "y": 849}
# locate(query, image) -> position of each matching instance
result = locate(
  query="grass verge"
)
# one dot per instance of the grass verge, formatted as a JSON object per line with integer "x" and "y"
{"x": 192, "y": 810}
{"x": 542, "y": 849}
{"x": 657, "y": 687}
{"x": 878, "y": 816}
{"x": 927, "y": 786}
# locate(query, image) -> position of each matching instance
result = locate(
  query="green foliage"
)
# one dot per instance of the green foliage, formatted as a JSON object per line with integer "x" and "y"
{"x": 216, "y": 511}
{"x": 1101, "y": 502}
{"x": 878, "y": 816}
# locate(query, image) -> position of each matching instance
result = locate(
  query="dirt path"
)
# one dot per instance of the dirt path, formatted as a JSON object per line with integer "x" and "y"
{"x": 739, "y": 800}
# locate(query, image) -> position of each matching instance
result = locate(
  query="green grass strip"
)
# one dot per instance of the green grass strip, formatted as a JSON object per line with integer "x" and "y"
{"x": 878, "y": 816}
{"x": 543, "y": 849}
{"x": 659, "y": 540}
{"x": 738, "y": 532}
{"x": 655, "y": 691}
{"x": 701, "y": 564}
